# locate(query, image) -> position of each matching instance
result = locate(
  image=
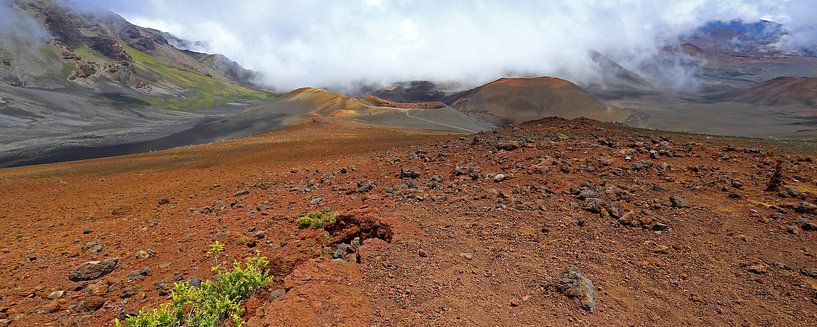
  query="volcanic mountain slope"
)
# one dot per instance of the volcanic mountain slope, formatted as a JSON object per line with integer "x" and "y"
{"x": 782, "y": 91}
{"x": 55, "y": 46}
{"x": 672, "y": 229}
{"x": 515, "y": 100}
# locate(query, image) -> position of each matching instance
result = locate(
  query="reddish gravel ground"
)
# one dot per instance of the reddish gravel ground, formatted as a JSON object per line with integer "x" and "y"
{"x": 444, "y": 242}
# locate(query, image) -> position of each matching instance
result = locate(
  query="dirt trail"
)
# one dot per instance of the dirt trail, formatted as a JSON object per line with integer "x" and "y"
{"x": 480, "y": 228}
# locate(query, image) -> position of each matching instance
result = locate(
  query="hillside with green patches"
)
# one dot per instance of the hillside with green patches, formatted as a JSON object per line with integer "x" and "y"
{"x": 192, "y": 89}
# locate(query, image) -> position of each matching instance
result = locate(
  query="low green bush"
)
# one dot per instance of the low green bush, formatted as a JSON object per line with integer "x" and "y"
{"x": 315, "y": 219}
{"x": 212, "y": 302}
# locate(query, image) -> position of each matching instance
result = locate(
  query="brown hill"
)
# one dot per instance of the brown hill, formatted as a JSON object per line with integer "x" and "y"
{"x": 782, "y": 91}
{"x": 307, "y": 103}
{"x": 514, "y": 100}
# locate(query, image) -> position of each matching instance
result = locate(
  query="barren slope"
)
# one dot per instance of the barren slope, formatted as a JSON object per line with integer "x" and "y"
{"x": 466, "y": 247}
{"x": 782, "y": 91}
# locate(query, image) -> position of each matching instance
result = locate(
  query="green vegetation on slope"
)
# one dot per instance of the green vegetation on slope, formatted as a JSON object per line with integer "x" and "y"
{"x": 201, "y": 90}
{"x": 211, "y": 302}
{"x": 315, "y": 219}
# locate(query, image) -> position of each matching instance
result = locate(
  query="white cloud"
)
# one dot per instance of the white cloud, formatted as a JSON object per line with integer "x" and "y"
{"x": 334, "y": 43}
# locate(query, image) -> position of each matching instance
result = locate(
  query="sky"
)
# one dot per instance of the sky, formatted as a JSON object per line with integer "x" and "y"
{"x": 340, "y": 43}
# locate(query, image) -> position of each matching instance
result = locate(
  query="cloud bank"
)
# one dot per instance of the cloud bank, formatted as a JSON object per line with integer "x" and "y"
{"x": 337, "y": 43}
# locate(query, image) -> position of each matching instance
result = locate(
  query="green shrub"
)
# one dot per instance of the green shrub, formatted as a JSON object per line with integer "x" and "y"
{"x": 212, "y": 302}
{"x": 315, "y": 219}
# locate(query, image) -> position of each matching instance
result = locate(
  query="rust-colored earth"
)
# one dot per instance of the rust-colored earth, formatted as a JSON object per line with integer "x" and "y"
{"x": 444, "y": 242}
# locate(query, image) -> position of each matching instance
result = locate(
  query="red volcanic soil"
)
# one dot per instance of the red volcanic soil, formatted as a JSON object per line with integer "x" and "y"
{"x": 672, "y": 229}
{"x": 782, "y": 91}
{"x": 376, "y": 101}
{"x": 515, "y": 100}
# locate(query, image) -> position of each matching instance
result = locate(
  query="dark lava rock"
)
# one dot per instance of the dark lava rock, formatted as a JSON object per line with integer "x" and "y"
{"x": 574, "y": 284}
{"x": 408, "y": 173}
{"x": 508, "y": 146}
{"x": 93, "y": 269}
{"x": 641, "y": 165}
{"x": 593, "y": 205}
{"x": 806, "y": 207}
{"x": 365, "y": 185}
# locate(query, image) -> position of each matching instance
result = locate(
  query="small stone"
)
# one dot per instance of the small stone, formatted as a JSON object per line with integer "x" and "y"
{"x": 466, "y": 255}
{"x": 94, "y": 246}
{"x": 99, "y": 288}
{"x": 422, "y": 253}
{"x": 277, "y": 294}
{"x": 499, "y": 177}
{"x": 340, "y": 251}
{"x": 195, "y": 282}
{"x": 144, "y": 254}
{"x": 660, "y": 227}
{"x": 758, "y": 268}
{"x": 163, "y": 201}
{"x": 508, "y": 146}
{"x": 51, "y": 307}
{"x": 56, "y": 295}
{"x": 241, "y": 192}
{"x": 92, "y": 303}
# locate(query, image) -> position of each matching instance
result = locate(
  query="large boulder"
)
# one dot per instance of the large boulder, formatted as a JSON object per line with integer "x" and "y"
{"x": 93, "y": 269}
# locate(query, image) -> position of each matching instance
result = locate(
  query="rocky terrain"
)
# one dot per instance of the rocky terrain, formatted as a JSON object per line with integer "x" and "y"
{"x": 551, "y": 222}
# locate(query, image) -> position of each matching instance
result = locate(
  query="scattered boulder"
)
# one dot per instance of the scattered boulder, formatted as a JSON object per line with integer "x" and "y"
{"x": 806, "y": 207}
{"x": 678, "y": 202}
{"x": 593, "y": 205}
{"x": 575, "y": 285}
{"x": 365, "y": 185}
{"x": 93, "y": 269}
{"x": 94, "y": 246}
{"x": 406, "y": 173}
